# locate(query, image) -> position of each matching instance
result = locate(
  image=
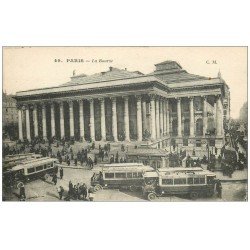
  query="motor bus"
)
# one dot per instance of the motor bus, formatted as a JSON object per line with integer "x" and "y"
{"x": 193, "y": 183}
{"x": 120, "y": 175}
{"x": 29, "y": 170}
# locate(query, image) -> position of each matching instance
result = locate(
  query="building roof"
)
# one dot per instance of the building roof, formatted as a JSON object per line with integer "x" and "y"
{"x": 168, "y": 73}
{"x": 112, "y": 74}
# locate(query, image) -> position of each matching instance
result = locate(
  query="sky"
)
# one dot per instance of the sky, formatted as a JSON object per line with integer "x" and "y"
{"x": 26, "y": 68}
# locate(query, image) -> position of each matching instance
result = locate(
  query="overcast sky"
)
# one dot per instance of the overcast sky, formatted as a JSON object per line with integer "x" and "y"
{"x": 31, "y": 68}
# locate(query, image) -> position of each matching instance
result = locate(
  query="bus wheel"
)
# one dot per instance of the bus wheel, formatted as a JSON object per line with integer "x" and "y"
{"x": 194, "y": 195}
{"x": 19, "y": 184}
{"x": 151, "y": 196}
{"x": 97, "y": 187}
{"x": 132, "y": 188}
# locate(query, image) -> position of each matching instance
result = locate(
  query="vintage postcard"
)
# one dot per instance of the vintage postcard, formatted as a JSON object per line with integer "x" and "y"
{"x": 124, "y": 124}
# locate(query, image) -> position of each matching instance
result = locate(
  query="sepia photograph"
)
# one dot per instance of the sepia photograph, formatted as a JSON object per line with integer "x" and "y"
{"x": 126, "y": 124}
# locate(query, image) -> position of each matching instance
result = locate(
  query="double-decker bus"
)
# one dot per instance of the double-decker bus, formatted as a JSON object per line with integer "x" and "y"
{"x": 192, "y": 181}
{"x": 29, "y": 170}
{"x": 120, "y": 175}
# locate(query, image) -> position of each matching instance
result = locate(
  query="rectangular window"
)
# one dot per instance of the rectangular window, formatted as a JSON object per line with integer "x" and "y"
{"x": 30, "y": 170}
{"x": 212, "y": 142}
{"x": 129, "y": 175}
{"x": 109, "y": 175}
{"x": 45, "y": 166}
{"x": 198, "y": 143}
{"x": 202, "y": 180}
{"x": 190, "y": 181}
{"x": 120, "y": 175}
{"x": 39, "y": 168}
{"x": 167, "y": 181}
{"x": 139, "y": 175}
{"x": 134, "y": 175}
{"x": 185, "y": 142}
{"x": 196, "y": 181}
{"x": 180, "y": 181}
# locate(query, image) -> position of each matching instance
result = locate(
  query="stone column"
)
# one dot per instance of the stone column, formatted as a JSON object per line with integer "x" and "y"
{"x": 53, "y": 125}
{"x": 157, "y": 118}
{"x": 81, "y": 119}
{"x": 167, "y": 117}
{"x": 92, "y": 120}
{"x": 152, "y": 116}
{"x": 28, "y": 123}
{"x": 179, "y": 116}
{"x": 103, "y": 123}
{"x": 126, "y": 119}
{"x": 191, "y": 108}
{"x": 219, "y": 117}
{"x": 20, "y": 124}
{"x": 35, "y": 121}
{"x": 62, "y": 121}
{"x": 44, "y": 121}
{"x": 139, "y": 119}
{"x": 114, "y": 119}
{"x": 144, "y": 116}
{"x": 71, "y": 119}
{"x": 204, "y": 115}
{"x": 161, "y": 117}
{"x": 164, "y": 116}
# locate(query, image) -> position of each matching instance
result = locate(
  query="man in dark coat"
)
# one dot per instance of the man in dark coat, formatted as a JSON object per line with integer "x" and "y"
{"x": 54, "y": 179}
{"x": 22, "y": 193}
{"x": 61, "y": 173}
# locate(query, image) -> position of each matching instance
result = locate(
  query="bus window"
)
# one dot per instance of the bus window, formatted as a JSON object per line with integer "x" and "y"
{"x": 109, "y": 175}
{"x": 129, "y": 175}
{"x": 190, "y": 181}
{"x": 196, "y": 181}
{"x": 167, "y": 181}
{"x": 180, "y": 181}
{"x": 202, "y": 180}
{"x": 30, "y": 170}
{"x": 39, "y": 168}
{"x": 120, "y": 175}
{"x": 139, "y": 174}
{"x": 134, "y": 175}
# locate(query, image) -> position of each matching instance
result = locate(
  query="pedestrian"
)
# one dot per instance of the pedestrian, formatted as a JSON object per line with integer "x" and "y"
{"x": 219, "y": 189}
{"x": 91, "y": 194}
{"x": 61, "y": 173}
{"x": 60, "y": 192}
{"x": 68, "y": 162}
{"x": 22, "y": 193}
{"x": 54, "y": 179}
{"x": 75, "y": 161}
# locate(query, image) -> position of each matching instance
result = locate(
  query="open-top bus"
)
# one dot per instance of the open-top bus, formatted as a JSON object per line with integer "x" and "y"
{"x": 29, "y": 170}
{"x": 194, "y": 183}
{"x": 121, "y": 175}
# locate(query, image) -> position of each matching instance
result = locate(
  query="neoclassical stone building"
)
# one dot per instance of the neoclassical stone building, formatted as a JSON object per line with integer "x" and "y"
{"x": 167, "y": 106}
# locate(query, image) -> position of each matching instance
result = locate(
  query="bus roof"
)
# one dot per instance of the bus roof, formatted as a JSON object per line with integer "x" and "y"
{"x": 123, "y": 165}
{"x": 180, "y": 169}
{"x": 125, "y": 168}
{"x": 34, "y": 163}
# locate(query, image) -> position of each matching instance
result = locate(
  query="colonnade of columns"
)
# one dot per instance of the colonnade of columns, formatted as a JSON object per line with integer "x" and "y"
{"x": 159, "y": 118}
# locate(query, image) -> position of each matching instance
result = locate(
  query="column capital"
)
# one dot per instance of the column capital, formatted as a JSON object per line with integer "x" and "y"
{"x": 191, "y": 98}
{"x": 152, "y": 97}
{"x": 138, "y": 97}
{"x": 113, "y": 99}
{"x": 125, "y": 98}
{"x": 91, "y": 100}
{"x": 178, "y": 99}
{"x": 205, "y": 97}
{"x": 101, "y": 99}
{"x": 79, "y": 101}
